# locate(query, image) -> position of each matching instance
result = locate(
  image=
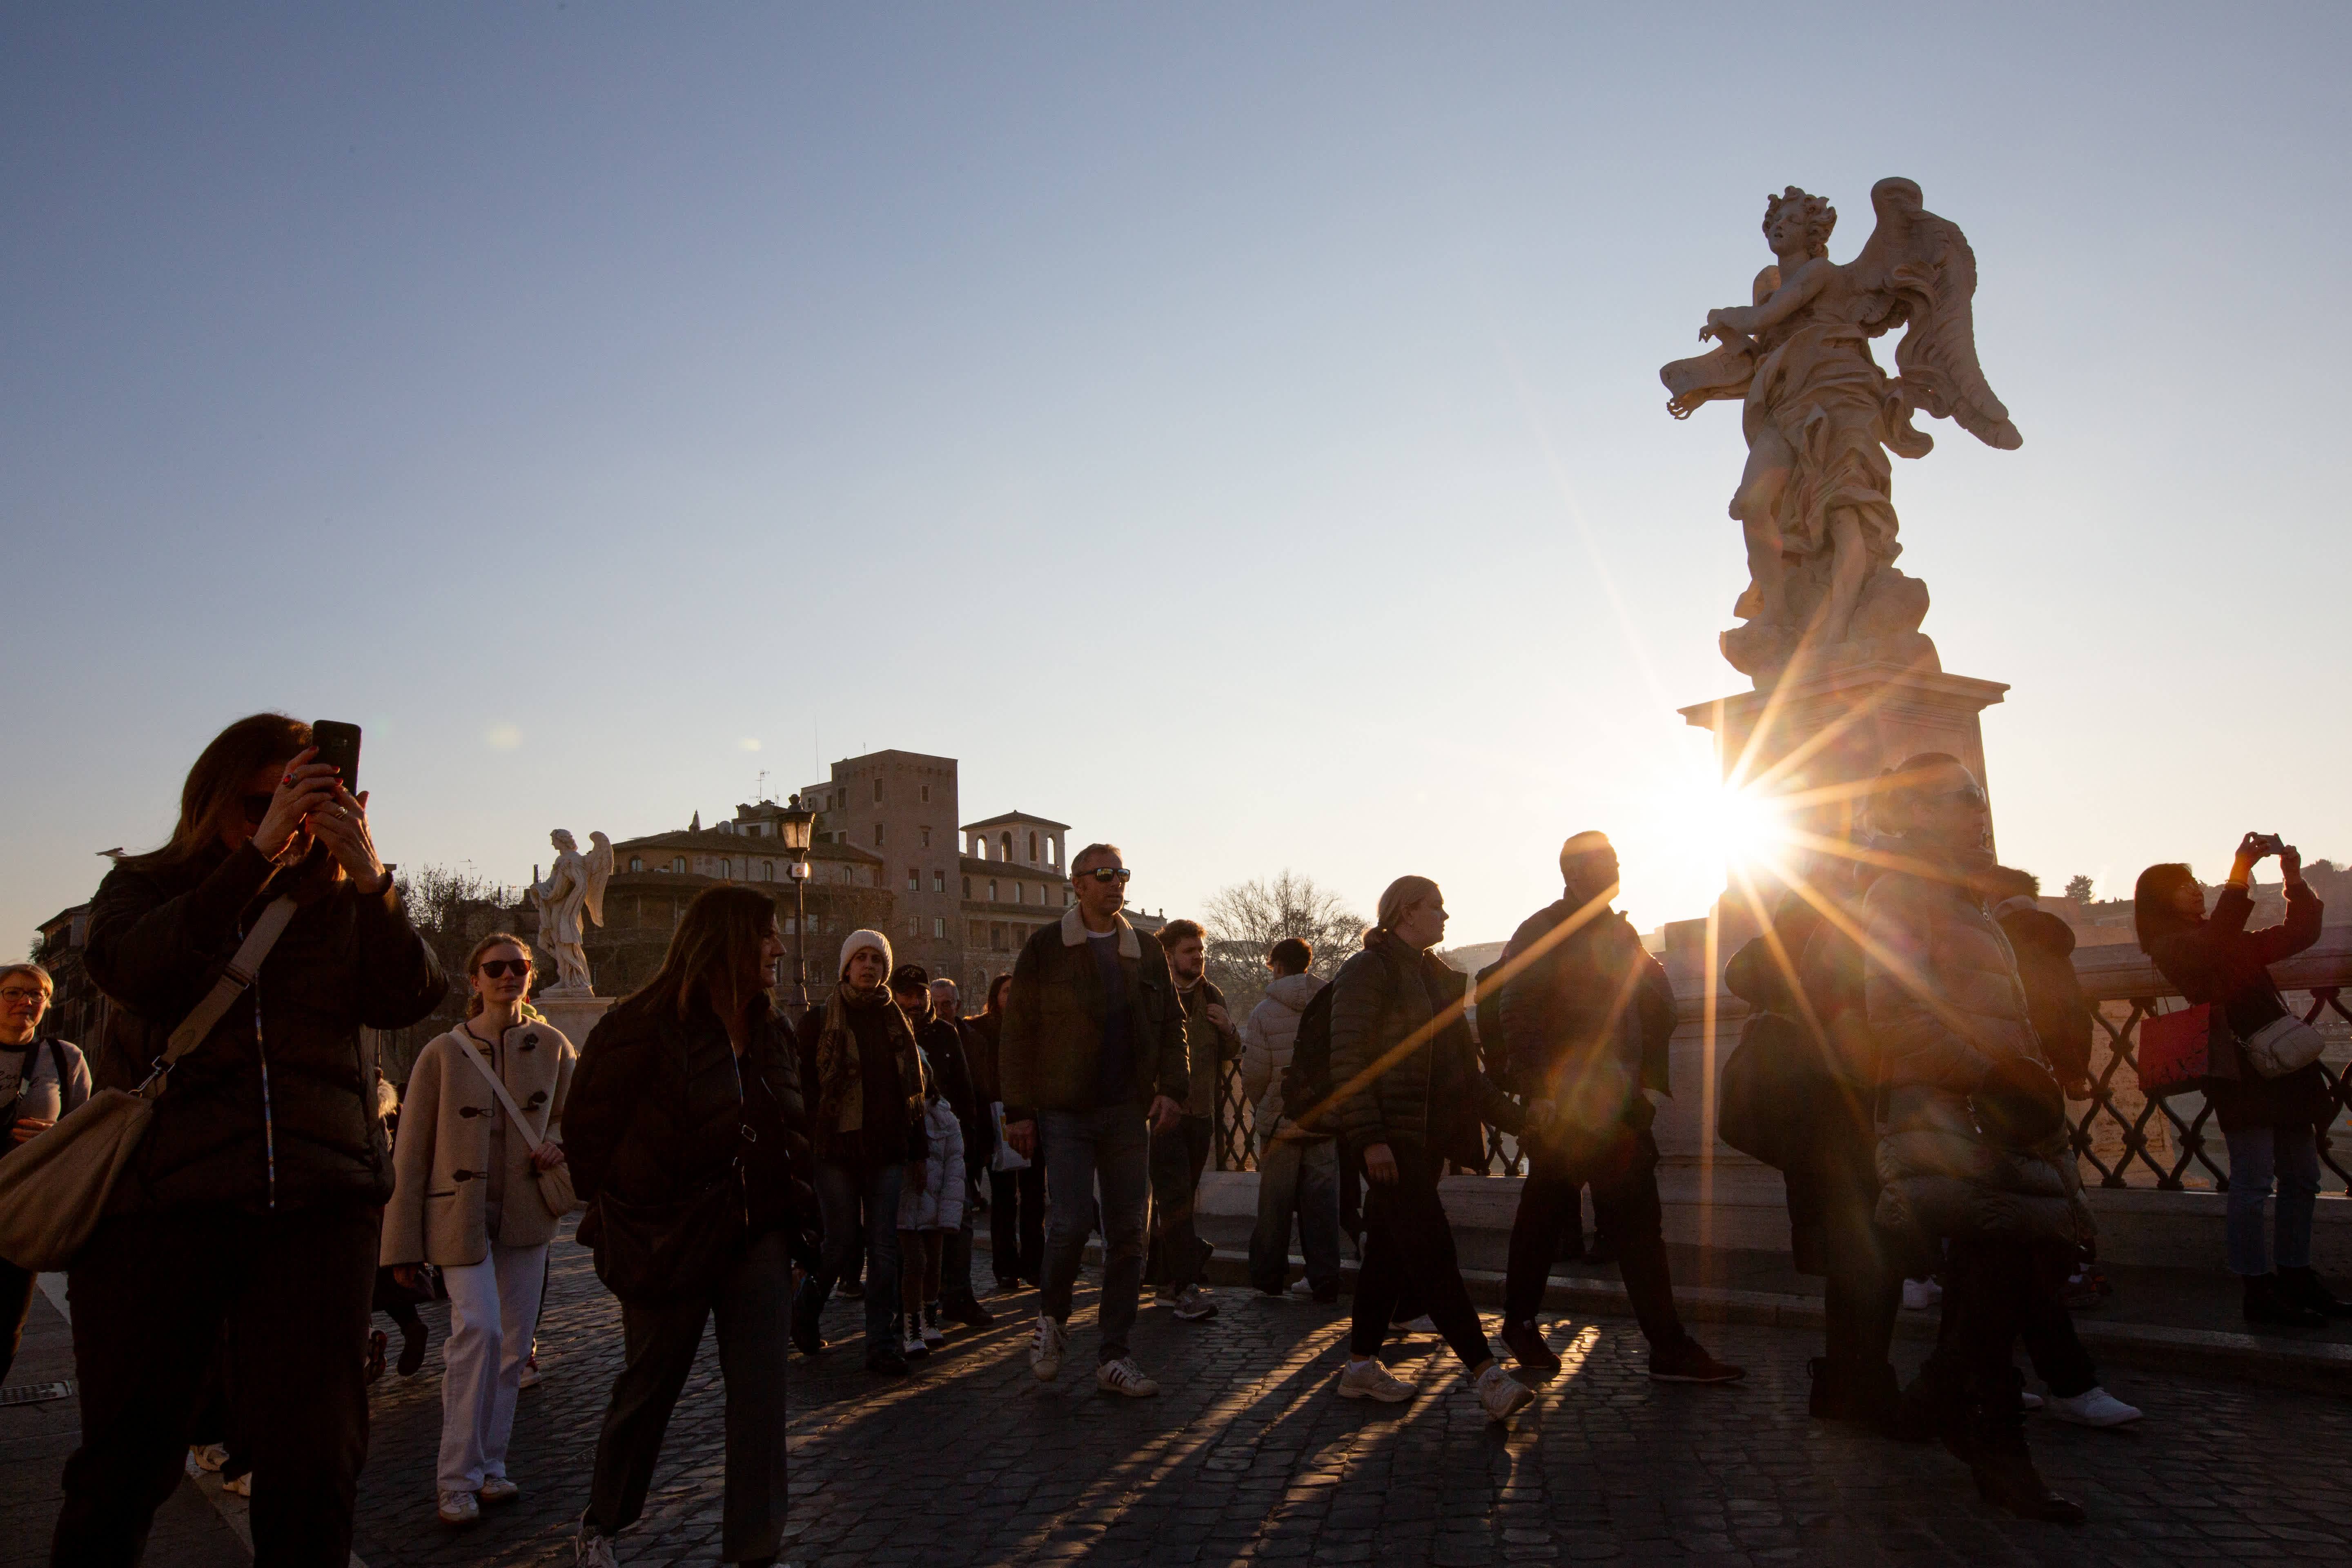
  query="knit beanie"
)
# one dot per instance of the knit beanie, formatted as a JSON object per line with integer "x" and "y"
{"x": 873, "y": 938}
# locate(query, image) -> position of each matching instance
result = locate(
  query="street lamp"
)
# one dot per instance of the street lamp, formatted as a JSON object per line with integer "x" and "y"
{"x": 796, "y": 823}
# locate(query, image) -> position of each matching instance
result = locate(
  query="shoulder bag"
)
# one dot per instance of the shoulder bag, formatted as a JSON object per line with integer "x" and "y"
{"x": 2176, "y": 1049}
{"x": 2285, "y": 1044}
{"x": 555, "y": 1190}
{"x": 54, "y": 1189}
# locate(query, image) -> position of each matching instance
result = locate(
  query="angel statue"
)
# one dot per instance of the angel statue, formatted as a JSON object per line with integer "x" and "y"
{"x": 575, "y": 884}
{"x": 1820, "y": 417}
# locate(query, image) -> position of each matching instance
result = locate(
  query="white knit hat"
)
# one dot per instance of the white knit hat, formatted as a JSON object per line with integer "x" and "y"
{"x": 873, "y": 938}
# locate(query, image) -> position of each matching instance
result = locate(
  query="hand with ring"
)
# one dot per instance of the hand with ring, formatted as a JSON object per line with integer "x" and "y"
{"x": 303, "y": 788}
{"x": 342, "y": 827}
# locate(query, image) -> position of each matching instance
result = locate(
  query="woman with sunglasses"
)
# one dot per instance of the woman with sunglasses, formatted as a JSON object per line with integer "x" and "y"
{"x": 469, "y": 1202}
{"x": 251, "y": 1203}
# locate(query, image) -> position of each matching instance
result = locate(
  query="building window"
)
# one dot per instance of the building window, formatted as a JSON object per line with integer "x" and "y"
{"x": 767, "y": 870}
{"x": 726, "y": 870}
{"x": 1004, "y": 843}
{"x": 914, "y": 880}
{"x": 938, "y": 881}
{"x": 1019, "y": 892}
{"x": 1032, "y": 850}
{"x": 979, "y": 932}
{"x": 637, "y": 863}
{"x": 927, "y": 794}
{"x": 914, "y": 927}
{"x": 678, "y": 864}
{"x": 1053, "y": 852}
{"x": 927, "y": 838}
{"x": 939, "y": 925}
{"x": 877, "y": 835}
{"x": 992, "y": 890}
{"x": 967, "y": 887}
{"x": 877, "y": 791}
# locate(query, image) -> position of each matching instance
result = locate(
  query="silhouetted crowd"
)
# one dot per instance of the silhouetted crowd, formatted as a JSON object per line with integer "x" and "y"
{"x": 233, "y": 1190}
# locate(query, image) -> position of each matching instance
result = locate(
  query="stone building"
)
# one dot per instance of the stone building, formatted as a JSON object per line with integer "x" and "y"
{"x": 1013, "y": 883}
{"x": 77, "y": 1008}
{"x": 897, "y": 809}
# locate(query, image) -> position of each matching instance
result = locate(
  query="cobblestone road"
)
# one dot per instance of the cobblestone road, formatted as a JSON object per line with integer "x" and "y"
{"x": 1246, "y": 1455}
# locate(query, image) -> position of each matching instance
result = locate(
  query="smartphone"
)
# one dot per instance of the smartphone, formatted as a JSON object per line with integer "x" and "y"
{"x": 339, "y": 743}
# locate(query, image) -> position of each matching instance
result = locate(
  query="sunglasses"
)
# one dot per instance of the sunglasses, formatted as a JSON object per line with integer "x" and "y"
{"x": 1108, "y": 874}
{"x": 257, "y": 806}
{"x": 496, "y": 968}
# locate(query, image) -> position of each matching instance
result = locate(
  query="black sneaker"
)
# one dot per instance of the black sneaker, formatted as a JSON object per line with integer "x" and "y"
{"x": 969, "y": 1312}
{"x": 1689, "y": 1363}
{"x": 412, "y": 1351}
{"x": 887, "y": 1359}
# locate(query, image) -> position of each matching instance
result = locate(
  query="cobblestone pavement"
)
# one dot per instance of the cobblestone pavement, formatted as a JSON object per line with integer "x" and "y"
{"x": 1247, "y": 1455}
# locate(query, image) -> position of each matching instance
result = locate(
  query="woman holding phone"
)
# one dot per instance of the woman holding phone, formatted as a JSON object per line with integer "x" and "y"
{"x": 251, "y": 1205}
{"x": 468, "y": 1200}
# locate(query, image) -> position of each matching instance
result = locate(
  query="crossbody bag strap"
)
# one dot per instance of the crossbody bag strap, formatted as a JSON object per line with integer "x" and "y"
{"x": 234, "y": 981}
{"x": 498, "y": 1088}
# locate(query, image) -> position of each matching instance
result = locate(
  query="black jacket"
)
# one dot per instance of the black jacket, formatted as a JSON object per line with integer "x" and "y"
{"x": 660, "y": 1108}
{"x": 1403, "y": 1067}
{"x": 2218, "y": 960}
{"x": 946, "y": 1043}
{"x": 1590, "y": 992}
{"x": 276, "y": 1108}
{"x": 2044, "y": 946}
{"x": 1049, "y": 1054}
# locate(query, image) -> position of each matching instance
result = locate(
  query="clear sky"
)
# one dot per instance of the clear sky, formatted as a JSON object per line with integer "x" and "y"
{"x": 1232, "y": 430}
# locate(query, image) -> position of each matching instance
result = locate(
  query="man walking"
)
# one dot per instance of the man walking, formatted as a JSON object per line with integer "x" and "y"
{"x": 1179, "y": 1155}
{"x": 941, "y": 1036}
{"x": 1092, "y": 1063}
{"x": 1586, "y": 1015}
{"x": 1297, "y": 1171}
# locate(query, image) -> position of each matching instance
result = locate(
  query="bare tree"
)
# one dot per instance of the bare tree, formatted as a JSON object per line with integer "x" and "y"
{"x": 1243, "y": 921}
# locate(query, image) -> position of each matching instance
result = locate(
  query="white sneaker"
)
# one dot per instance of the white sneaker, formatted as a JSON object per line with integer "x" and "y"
{"x": 1420, "y": 1325}
{"x": 1368, "y": 1379}
{"x": 912, "y": 1344}
{"x": 1501, "y": 1395}
{"x": 1302, "y": 1290}
{"x": 933, "y": 1336}
{"x": 459, "y": 1507}
{"x": 1919, "y": 1295}
{"x": 2096, "y": 1408}
{"x": 1123, "y": 1376}
{"x": 2029, "y": 1400}
{"x": 1194, "y": 1306}
{"x": 208, "y": 1457}
{"x": 1045, "y": 1350}
{"x": 497, "y": 1488}
{"x": 594, "y": 1551}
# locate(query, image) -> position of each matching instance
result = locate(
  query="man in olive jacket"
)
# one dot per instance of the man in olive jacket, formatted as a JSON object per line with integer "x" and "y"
{"x": 1091, "y": 1061}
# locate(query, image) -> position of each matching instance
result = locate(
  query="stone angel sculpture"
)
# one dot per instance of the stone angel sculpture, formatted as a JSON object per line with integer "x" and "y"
{"x": 574, "y": 888}
{"x": 1820, "y": 416}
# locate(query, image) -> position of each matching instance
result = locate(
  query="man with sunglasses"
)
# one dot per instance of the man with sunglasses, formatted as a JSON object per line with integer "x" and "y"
{"x": 1092, "y": 1061}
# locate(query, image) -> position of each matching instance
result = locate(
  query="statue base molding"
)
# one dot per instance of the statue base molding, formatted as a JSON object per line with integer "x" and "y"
{"x": 575, "y": 1015}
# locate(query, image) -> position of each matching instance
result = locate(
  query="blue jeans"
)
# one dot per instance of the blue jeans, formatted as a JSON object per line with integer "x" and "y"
{"x": 1112, "y": 1145}
{"x": 1302, "y": 1178}
{"x": 840, "y": 1198}
{"x": 2258, "y": 1156}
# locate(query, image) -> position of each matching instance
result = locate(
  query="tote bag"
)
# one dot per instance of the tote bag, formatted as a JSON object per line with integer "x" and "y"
{"x": 2175, "y": 1049}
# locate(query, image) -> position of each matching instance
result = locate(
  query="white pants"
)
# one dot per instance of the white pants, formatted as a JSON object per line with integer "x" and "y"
{"x": 493, "y": 1308}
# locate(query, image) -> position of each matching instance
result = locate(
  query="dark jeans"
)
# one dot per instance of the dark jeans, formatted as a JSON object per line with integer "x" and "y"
{"x": 955, "y": 1257}
{"x": 1111, "y": 1145}
{"x": 1630, "y": 1217}
{"x": 151, "y": 1295}
{"x": 1016, "y": 1223}
{"x": 1409, "y": 1243}
{"x": 16, "y": 1306}
{"x": 1304, "y": 1178}
{"x": 1993, "y": 1286}
{"x": 1178, "y": 1157}
{"x": 2048, "y": 1330}
{"x": 860, "y": 1212}
{"x": 659, "y": 1342}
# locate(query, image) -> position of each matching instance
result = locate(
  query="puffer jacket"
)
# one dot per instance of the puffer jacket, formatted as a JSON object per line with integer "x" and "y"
{"x": 1269, "y": 1036}
{"x": 1403, "y": 1067}
{"x": 277, "y": 1108}
{"x": 660, "y": 1108}
{"x": 1945, "y": 1006}
{"x": 2044, "y": 946}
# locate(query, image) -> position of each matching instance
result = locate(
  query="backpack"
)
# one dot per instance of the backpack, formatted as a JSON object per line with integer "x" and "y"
{"x": 1306, "y": 1081}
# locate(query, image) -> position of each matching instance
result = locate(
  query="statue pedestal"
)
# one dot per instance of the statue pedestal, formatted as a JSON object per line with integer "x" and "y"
{"x": 575, "y": 1015}
{"x": 1813, "y": 739}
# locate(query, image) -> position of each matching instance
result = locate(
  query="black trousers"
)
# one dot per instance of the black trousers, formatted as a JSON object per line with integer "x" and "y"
{"x": 752, "y": 1305}
{"x": 151, "y": 1295}
{"x": 1016, "y": 1223}
{"x": 16, "y": 1306}
{"x": 1625, "y": 1207}
{"x": 1993, "y": 1286}
{"x": 2048, "y": 1330}
{"x": 1832, "y": 1206}
{"x": 1409, "y": 1246}
{"x": 1179, "y": 1155}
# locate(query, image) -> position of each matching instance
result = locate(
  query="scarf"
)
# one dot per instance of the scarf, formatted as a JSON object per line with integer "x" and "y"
{"x": 840, "y": 1074}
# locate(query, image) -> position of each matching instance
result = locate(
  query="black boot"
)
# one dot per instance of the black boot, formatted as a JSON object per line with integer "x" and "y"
{"x": 805, "y": 1337}
{"x": 2006, "y": 1477}
{"x": 1858, "y": 1392}
{"x": 2267, "y": 1301}
{"x": 2302, "y": 1285}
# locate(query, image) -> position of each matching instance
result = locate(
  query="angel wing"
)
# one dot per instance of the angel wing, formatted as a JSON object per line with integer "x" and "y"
{"x": 1918, "y": 268}
{"x": 599, "y": 864}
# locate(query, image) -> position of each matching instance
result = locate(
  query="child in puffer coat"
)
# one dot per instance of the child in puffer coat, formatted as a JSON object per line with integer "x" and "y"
{"x": 928, "y": 1212}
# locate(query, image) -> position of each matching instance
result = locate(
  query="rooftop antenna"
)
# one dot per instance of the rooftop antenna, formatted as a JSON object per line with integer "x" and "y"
{"x": 760, "y": 787}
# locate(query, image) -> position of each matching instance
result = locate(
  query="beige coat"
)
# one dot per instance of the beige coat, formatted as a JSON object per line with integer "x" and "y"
{"x": 440, "y": 1191}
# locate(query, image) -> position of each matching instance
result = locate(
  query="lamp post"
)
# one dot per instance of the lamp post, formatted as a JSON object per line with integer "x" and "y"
{"x": 795, "y": 823}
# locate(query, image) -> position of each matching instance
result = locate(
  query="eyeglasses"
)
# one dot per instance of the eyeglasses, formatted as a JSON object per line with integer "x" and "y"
{"x": 257, "y": 806}
{"x": 1108, "y": 874}
{"x": 496, "y": 968}
{"x": 20, "y": 993}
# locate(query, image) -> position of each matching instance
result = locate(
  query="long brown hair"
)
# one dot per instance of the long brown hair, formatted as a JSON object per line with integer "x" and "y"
{"x": 474, "y": 962}
{"x": 718, "y": 933}
{"x": 215, "y": 784}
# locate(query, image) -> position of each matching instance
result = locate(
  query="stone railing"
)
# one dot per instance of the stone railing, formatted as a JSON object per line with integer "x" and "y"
{"x": 2124, "y": 1137}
